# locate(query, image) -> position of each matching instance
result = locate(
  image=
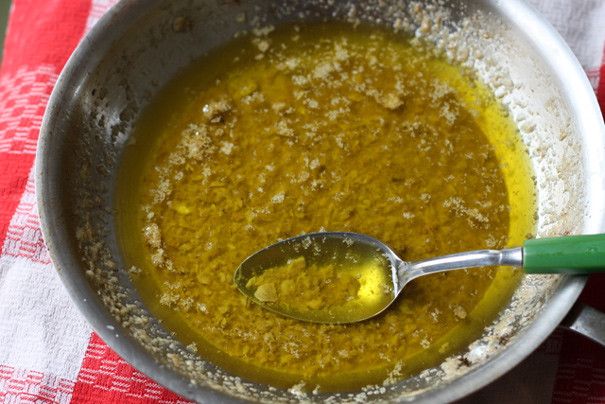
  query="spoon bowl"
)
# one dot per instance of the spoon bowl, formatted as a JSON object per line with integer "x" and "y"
{"x": 327, "y": 277}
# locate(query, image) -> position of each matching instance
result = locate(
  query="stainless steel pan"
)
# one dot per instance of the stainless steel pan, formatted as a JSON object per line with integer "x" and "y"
{"x": 141, "y": 44}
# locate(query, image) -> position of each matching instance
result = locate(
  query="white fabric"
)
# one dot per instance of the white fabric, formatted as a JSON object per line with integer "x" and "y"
{"x": 582, "y": 24}
{"x": 40, "y": 328}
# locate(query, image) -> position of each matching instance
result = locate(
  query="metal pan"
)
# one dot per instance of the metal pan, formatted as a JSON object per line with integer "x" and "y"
{"x": 141, "y": 44}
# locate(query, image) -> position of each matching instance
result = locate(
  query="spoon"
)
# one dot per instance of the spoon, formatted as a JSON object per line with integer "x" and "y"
{"x": 340, "y": 277}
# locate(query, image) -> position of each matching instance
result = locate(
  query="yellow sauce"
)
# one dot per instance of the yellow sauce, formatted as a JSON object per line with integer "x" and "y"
{"x": 331, "y": 281}
{"x": 322, "y": 128}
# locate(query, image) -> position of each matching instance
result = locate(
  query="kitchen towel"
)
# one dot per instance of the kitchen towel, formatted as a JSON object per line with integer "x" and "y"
{"x": 49, "y": 353}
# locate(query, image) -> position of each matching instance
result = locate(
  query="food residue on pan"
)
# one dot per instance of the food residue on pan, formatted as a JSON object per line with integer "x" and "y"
{"x": 306, "y": 128}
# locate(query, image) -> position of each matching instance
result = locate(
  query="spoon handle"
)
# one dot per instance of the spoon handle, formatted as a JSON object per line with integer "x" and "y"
{"x": 584, "y": 254}
{"x": 470, "y": 259}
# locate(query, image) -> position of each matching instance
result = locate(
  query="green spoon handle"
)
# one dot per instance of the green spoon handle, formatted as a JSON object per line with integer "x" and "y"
{"x": 580, "y": 255}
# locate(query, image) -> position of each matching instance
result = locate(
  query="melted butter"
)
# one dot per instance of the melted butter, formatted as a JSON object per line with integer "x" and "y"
{"x": 376, "y": 290}
{"x": 330, "y": 281}
{"x": 326, "y": 127}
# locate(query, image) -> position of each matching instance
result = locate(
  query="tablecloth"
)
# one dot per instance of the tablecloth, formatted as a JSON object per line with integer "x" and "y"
{"x": 49, "y": 353}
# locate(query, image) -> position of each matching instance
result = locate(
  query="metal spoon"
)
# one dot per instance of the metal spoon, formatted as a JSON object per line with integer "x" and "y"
{"x": 380, "y": 275}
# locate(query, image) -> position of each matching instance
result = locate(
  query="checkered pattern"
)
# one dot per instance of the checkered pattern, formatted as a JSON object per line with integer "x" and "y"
{"x": 24, "y": 236}
{"x": 20, "y": 385}
{"x": 108, "y": 378}
{"x": 48, "y": 353}
{"x": 23, "y": 98}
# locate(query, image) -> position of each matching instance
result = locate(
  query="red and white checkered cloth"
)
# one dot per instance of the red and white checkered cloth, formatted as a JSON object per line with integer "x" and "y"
{"x": 48, "y": 352}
